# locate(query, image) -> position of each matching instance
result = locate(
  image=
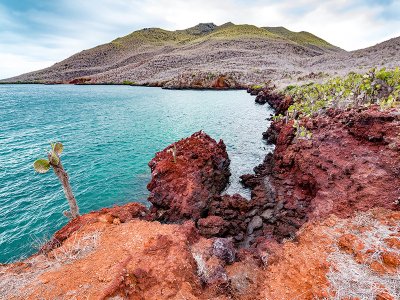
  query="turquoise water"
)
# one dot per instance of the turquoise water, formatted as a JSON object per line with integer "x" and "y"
{"x": 109, "y": 134}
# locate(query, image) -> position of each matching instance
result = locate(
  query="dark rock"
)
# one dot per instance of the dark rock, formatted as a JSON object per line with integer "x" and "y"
{"x": 224, "y": 250}
{"x": 255, "y": 223}
{"x": 267, "y": 214}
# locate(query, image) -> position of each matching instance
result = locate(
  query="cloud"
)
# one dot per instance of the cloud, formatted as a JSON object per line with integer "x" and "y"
{"x": 36, "y": 34}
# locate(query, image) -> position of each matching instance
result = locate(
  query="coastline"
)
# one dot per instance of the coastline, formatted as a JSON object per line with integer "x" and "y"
{"x": 232, "y": 247}
{"x": 133, "y": 85}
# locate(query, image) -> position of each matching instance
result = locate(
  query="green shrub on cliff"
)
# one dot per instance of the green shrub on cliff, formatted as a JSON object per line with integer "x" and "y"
{"x": 257, "y": 86}
{"x": 380, "y": 87}
{"x": 301, "y": 131}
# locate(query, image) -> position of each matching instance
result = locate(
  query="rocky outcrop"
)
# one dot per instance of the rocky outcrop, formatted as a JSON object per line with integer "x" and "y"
{"x": 268, "y": 93}
{"x": 188, "y": 185}
{"x": 351, "y": 163}
{"x": 203, "y": 81}
{"x": 186, "y": 176}
{"x": 79, "y": 81}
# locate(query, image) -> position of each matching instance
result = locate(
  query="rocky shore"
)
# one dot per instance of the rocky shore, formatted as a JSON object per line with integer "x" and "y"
{"x": 323, "y": 222}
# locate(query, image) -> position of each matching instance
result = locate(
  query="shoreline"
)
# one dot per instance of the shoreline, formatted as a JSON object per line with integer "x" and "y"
{"x": 193, "y": 241}
{"x": 218, "y": 133}
{"x": 194, "y": 88}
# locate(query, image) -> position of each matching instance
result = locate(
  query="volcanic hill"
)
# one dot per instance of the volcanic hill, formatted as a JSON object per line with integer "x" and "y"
{"x": 197, "y": 56}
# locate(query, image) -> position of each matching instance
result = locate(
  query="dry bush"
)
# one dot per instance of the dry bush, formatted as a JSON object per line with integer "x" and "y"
{"x": 352, "y": 280}
{"x": 18, "y": 280}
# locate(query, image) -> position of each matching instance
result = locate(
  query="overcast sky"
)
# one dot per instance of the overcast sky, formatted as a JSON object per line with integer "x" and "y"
{"x": 37, "y": 33}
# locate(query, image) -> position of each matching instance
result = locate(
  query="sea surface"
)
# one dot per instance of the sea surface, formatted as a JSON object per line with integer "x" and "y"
{"x": 109, "y": 133}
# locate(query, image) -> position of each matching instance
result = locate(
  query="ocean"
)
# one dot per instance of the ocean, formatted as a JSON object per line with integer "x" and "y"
{"x": 109, "y": 133}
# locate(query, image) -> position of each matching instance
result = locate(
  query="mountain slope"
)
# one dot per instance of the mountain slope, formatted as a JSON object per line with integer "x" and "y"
{"x": 385, "y": 54}
{"x": 198, "y": 55}
{"x": 302, "y": 38}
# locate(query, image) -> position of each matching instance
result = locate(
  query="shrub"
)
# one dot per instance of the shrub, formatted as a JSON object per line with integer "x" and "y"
{"x": 127, "y": 82}
{"x": 380, "y": 87}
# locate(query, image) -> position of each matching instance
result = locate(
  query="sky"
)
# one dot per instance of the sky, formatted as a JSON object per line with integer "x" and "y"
{"x": 35, "y": 34}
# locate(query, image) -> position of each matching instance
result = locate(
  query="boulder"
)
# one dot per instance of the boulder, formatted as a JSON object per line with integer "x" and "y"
{"x": 186, "y": 176}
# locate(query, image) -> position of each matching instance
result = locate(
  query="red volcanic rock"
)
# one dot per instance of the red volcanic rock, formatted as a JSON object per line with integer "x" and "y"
{"x": 351, "y": 163}
{"x": 113, "y": 215}
{"x": 268, "y": 94}
{"x": 350, "y": 243}
{"x": 391, "y": 259}
{"x": 202, "y": 81}
{"x": 80, "y": 80}
{"x": 181, "y": 190}
{"x": 220, "y": 83}
{"x": 212, "y": 226}
{"x": 384, "y": 296}
{"x": 393, "y": 242}
{"x": 225, "y": 82}
{"x": 233, "y": 210}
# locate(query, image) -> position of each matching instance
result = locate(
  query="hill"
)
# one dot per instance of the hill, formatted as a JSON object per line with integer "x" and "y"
{"x": 200, "y": 55}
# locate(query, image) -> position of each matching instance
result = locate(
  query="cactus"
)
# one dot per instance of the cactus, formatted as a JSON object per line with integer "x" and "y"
{"x": 41, "y": 165}
{"x": 53, "y": 160}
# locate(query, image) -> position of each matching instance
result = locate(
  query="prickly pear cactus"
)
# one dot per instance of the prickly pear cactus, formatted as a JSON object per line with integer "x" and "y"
{"x": 57, "y": 148}
{"x": 54, "y": 159}
{"x": 41, "y": 165}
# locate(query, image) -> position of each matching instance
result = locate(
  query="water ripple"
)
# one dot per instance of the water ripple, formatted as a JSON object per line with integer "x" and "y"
{"x": 110, "y": 133}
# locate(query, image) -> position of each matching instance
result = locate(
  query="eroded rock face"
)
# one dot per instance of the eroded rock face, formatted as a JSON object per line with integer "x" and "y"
{"x": 182, "y": 189}
{"x": 203, "y": 81}
{"x": 269, "y": 94}
{"x": 351, "y": 163}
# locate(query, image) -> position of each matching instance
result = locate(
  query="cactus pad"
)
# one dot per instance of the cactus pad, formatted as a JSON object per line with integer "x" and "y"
{"x": 41, "y": 165}
{"x": 58, "y": 148}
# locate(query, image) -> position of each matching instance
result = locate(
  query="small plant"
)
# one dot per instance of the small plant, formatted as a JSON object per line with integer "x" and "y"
{"x": 53, "y": 160}
{"x": 301, "y": 131}
{"x": 210, "y": 76}
{"x": 257, "y": 87}
{"x": 173, "y": 151}
{"x": 127, "y": 82}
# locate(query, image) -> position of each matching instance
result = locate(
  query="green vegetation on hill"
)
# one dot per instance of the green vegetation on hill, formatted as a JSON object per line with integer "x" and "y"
{"x": 380, "y": 87}
{"x": 153, "y": 36}
{"x": 302, "y": 37}
{"x": 230, "y": 30}
{"x": 206, "y": 31}
{"x": 158, "y": 56}
{"x": 200, "y": 29}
